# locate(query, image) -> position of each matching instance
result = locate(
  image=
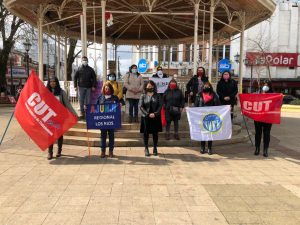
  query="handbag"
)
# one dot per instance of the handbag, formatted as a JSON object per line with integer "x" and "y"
{"x": 175, "y": 110}
{"x": 163, "y": 117}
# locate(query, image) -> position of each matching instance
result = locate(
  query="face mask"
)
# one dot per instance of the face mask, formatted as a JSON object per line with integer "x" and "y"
{"x": 134, "y": 71}
{"x": 173, "y": 86}
{"x": 160, "y": 73}
{"x": 107, "y": 92}
{"x": 206, "y": 89}
{"x": 150, "y": 90}
{"x": 111, "y": 78}
{"x": 265, "y": 88}
{"x": 199, "y": 73}
{"x": 226, "y": 77}
{"x": 84, "y": 63}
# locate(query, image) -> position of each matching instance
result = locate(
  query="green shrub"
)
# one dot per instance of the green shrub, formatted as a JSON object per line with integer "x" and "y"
{"x": 295, "y": 102}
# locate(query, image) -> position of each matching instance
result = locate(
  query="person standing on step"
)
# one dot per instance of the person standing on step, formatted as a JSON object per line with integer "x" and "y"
{"x": 261, "y": 127}
{"x": 118, "y": 91}
{"x": 133, "y": 82}
{"x": 227, "y": 90}
{"x": 150, "y": 106}
{"x": 196, "y": 83}
{"x": 203, "y": 99}
{"x": 159, "y": 73}
{"x": 173, "y": 101}
{"x": 85, "y": 78}
{"x": 107, "y": 96}
{"x": 54, "y": 87}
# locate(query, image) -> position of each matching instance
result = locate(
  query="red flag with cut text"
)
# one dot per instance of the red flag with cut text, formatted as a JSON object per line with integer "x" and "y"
{"x": 262, "y": 107}
{"x": 41, "y": 115}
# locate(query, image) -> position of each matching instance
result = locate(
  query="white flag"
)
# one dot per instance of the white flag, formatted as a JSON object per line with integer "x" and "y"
{"x": 161, "y": 84}
{"x": 210, "y": 123}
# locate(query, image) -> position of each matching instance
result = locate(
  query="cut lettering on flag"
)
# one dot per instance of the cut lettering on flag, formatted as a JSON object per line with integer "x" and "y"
{"x": 41, "y": 115}
{"x": 262, "y": 107}
{"x": 209, "y": 123}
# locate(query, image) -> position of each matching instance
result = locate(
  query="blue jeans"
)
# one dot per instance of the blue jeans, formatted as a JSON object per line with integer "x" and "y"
{"x": 133, "y": 107}
{"x": 111, "y": 137}
{"x": 84, "y": 97}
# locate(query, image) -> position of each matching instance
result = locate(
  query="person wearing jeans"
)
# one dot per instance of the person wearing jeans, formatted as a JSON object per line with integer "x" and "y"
{"x": 107, "y": 96}
{"x": 133, "y": 82}
{"x": 85, "y": 79}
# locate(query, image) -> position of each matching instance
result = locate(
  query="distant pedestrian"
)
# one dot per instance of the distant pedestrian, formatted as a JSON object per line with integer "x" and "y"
{"x": 207, "y": 98}
{"x": 196, "y": 83}
{"x": 160, "y": 73}
{"x": 54, "y": 87}
{"x": 150, "y": 106}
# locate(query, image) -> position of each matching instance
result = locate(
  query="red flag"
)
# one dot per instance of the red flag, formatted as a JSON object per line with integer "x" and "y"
{"x": 262, "y": 107}
{"x": 41, "y": 115}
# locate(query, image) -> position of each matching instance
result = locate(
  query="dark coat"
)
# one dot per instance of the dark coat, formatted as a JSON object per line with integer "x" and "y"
{"x": 156, "y": 76}
{"x": 150, "y": 125}
{"x": 173, "y": 98}
{"x": 113, "y": 99}
{"x": 85, "y": 77}
{"x": 192, "y": 85}
{"x": 227, "y": 89}
{"x": 199, "y": 102}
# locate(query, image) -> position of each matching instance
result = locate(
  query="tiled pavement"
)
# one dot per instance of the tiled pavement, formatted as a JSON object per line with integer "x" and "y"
{"x": 180, "y": 186}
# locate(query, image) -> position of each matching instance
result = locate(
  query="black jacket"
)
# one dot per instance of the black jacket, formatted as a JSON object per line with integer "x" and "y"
{"x": 85, "y": 77}
{"x": 199, "y": 102}
{"x": 227, "y": 89}
{"x": 173, "y": 98}
{"x": 145, "y": 102}
{"x": 192, "y": 85}
{"x": 156, "y": 76}
{"x": 113, "y": 99}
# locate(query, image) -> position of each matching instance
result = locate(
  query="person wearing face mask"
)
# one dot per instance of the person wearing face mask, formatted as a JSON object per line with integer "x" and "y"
{"x": 85, "y": 79}
{"x": 227, "y": 90}
{"x": 133, "y": 82}
{"x": 261, "y": 127}
{"x": 173, "y": 101}
{"x": 54, "y": 87}
{"x": 107, "y": 96}
{"x": 196, "y": 83}
{"x": 112, "y": 79}
{"x": 160, "y": 73}
{"x": 207, "y": 98}
{"x": 150, "y": 106}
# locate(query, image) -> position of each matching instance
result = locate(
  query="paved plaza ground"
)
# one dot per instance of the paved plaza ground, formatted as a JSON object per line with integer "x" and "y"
{"x": 180, "y": 186}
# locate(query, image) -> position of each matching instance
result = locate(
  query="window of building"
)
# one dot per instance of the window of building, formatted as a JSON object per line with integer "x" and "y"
{"x": 174, "y": 56}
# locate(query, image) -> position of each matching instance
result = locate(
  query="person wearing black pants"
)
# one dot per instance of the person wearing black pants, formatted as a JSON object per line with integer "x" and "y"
{"x": 261, "y": 127}
{"x": 150, "y": 106}
{"x": 59, "y": 145}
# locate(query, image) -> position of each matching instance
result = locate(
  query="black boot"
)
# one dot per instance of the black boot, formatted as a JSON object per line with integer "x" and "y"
{"x": 155, "y": 151}
{"x": 50, "y": 154}
{"x": 257, "y": 150}
{"x": 58, "y": 154}
{"x": 147, "y": 152}
{"x": 136, "y": 119}
{"x": 266, "y": 152}
{"x": 130, "y": 119}
{"x": 202, "y": 150}
{"x": 209, "y": 151}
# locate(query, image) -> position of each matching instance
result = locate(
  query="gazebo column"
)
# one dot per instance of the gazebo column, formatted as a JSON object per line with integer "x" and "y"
{"x": 104, "y": 47}
{"x": 40, "y": 46}
{"x": 58, "y": 58}
{"x": 65, "y": 59}
{"x": 196, "y": 55}
{"x": 241, "y": 65}
{"x": 84, "y": 41}
{"x": 211, "y": 36}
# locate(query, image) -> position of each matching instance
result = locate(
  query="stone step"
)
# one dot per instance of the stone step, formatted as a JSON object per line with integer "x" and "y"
{"x": 133, "y": 133}
{"x": 138, "y": 142}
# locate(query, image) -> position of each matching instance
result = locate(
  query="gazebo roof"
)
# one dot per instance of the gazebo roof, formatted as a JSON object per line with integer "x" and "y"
{"x": 143, "y": 21}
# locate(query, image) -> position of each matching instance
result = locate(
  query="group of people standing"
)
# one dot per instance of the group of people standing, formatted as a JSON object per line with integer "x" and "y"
{"x": 143, "y": 97}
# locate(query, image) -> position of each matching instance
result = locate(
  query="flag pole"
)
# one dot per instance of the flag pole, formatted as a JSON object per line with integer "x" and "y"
{"x": 247, "y": 130}
{"x": 7, "y": 127}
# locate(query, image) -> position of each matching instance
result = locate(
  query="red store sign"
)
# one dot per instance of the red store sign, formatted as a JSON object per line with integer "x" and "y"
{"x": 274, "y": 59}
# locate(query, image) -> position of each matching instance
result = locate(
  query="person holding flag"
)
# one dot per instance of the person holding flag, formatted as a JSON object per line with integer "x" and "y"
{"x": 107, "y": 96}
{"x": 160, "y": 73}
{"x": 207, "y": 97}
{"x": 54, "y": 87}
{"x": 262, "y": 127}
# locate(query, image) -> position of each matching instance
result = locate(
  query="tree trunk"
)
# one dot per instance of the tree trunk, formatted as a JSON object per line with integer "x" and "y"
{"x": 4, "y": 56}
{"x": 71, "y": 58}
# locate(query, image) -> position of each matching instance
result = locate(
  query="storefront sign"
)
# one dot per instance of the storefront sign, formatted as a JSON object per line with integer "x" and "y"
{"x": 273, "y": 59}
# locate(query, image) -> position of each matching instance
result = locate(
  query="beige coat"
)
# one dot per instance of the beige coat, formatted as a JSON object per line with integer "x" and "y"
{"x": 134, "y": 85}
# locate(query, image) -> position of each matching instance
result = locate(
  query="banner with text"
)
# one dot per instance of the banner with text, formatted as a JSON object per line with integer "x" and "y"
{"x": 106, "y": 116}
{"x": 161, "y": 84}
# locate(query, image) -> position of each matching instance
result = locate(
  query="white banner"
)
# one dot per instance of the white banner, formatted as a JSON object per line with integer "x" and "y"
{"x": 72, "y": 92}
{"x": 209, "y": 123}
{"x": 161, "y": 84}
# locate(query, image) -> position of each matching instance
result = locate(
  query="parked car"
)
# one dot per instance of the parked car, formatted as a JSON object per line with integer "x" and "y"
{"x": 288, "y": 98}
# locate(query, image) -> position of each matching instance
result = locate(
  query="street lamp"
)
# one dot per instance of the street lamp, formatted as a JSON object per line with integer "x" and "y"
{"x": 27, "y": 47}
{"x": 11, "y": 58}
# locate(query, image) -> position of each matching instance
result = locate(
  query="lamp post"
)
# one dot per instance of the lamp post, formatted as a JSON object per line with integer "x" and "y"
{"x": 11, "y": 58}
{"x": 27, "y": 46}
